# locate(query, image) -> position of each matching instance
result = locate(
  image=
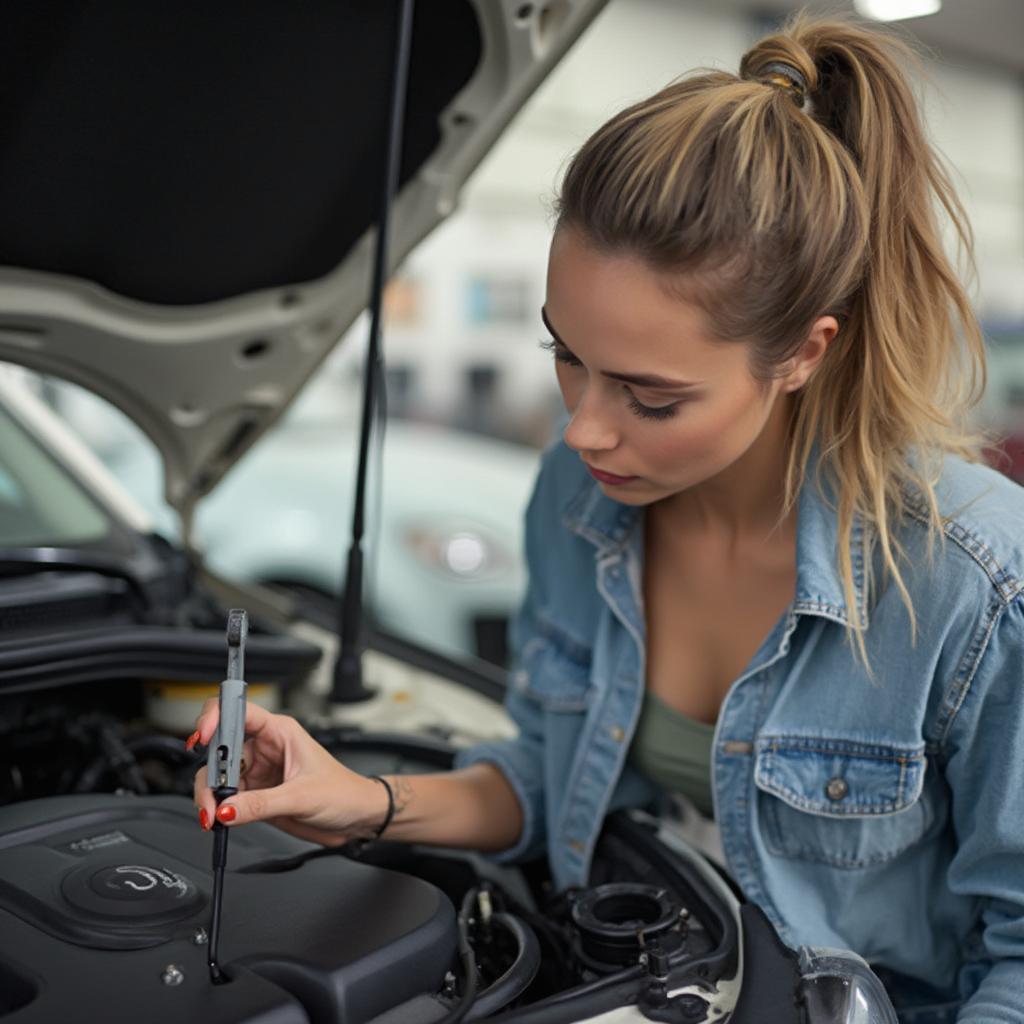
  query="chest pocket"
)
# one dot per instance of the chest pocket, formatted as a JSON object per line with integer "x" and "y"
{"x": 555, "y": 672}
{"x": 839, "y": 802}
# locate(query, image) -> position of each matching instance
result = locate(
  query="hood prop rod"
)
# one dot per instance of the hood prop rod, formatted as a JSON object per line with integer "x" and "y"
{"x": 348, "y": 685}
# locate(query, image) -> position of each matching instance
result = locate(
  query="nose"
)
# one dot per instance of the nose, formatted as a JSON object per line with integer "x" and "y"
{"x": 590, "y": 429}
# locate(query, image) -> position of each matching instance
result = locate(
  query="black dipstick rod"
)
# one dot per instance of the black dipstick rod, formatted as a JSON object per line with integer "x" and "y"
{"x": 224, "y": 764}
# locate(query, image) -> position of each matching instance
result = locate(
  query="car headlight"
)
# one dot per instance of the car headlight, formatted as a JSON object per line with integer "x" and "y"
{"x": 458, "y": 552}
{"x": 838, "y": 987}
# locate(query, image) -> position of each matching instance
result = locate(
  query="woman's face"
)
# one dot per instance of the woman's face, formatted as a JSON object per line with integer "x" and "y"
{"x": 615, "y": 328}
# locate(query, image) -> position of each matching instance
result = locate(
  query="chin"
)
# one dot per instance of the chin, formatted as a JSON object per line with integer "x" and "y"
{"x": 635, "y": 495}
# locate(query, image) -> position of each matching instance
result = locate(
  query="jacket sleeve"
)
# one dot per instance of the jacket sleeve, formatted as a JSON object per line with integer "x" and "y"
{"x": 985, "y": 771}
{"x": 521, "y": 760}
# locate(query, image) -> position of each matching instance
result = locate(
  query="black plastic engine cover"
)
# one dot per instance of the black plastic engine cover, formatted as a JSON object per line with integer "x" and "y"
{"x": 101, "y": 899}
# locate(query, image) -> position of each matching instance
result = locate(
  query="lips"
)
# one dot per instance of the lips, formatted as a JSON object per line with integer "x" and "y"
{"x": 608, "y": 478}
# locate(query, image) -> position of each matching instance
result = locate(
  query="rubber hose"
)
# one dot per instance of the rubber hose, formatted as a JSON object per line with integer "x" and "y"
{"x": 519, "y": 975}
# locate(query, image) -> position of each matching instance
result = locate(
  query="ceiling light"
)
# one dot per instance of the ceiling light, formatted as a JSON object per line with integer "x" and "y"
{"x": 895, "y": 10}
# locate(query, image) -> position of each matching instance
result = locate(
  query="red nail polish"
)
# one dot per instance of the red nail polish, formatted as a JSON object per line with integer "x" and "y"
{"x": 226, "y": 813}
{"x": 192, "y": 740}
{"x": 204, "y": 819}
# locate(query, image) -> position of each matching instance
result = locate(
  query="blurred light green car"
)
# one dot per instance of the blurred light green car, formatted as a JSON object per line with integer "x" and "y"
{"x": 445, "y": 566}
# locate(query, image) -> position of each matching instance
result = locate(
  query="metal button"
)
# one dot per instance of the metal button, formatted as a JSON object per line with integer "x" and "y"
{"x": 576, "y": 845}
{"x": 836, "y": 789}
{"x": 617, "y": 733}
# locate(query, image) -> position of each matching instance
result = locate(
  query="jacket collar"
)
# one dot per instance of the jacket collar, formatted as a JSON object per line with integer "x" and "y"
{"x": 819, "y": 584}
{"x": 609, "y": 525}
{"x": 606, "y": 523}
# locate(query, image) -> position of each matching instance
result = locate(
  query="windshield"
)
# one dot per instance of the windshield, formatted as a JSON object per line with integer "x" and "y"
{"x": 40, "y": 504}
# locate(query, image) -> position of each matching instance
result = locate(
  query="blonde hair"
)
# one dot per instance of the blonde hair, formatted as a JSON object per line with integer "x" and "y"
{"x": 806, "y": 186}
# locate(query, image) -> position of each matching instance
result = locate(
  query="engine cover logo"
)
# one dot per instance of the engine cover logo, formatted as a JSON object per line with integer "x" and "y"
{"x": 132, "y": 890}
{"x": 140, "y": 881}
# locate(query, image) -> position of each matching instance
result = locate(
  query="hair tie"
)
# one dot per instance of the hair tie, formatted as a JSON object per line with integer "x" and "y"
{"x": 785, "y": 76}
{"x": 391, "y": 805}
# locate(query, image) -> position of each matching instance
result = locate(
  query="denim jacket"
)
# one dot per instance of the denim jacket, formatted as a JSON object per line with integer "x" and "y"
{"x": 883, "y": 815}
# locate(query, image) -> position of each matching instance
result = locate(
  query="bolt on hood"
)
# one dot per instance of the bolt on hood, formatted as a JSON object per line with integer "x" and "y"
{"x": 188, "y": 192}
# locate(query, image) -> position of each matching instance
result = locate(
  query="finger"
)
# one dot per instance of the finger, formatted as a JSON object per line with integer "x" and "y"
{"x": 206, "y": 723}
{"x": 247, "y": 755}
{"x": 203, "y": 798}
{"x": 256, "y": 720}
{"x": 259, "y": 805}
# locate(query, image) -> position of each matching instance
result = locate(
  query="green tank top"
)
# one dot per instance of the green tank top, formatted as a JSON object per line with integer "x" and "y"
{"x": 674, "y": 751}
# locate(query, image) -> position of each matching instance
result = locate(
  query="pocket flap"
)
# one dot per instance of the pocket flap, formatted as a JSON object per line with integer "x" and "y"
{"x": 839, "y": 778}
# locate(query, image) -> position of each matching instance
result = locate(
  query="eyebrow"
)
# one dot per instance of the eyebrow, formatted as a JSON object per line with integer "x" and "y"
{"x": 642, "y": 380}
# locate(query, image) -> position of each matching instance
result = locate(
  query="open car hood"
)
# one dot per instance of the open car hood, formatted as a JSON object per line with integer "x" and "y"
{"x": 188, "y": 191}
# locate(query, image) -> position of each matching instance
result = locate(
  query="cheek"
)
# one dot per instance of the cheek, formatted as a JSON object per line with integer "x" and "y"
{"x": 709, "y": 432}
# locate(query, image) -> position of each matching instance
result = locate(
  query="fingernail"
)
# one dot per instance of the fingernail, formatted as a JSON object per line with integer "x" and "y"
{"x": 192, "y": 740}
{"x": 204, "y": 819}
{"x": 226, "y": 813}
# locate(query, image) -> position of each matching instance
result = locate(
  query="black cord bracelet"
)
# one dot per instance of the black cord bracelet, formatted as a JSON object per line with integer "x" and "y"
{"x": 391, "y": 805}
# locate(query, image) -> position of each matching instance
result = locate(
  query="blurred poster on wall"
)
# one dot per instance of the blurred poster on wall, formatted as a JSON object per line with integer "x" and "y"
{"x": 403, "y": 302}
{"x": 497, "y": 299}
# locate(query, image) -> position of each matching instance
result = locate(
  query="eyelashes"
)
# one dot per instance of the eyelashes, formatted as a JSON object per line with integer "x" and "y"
{"x": 650, "y": 412}
{"x": 647, "y": 412}
{"x": 562, "y": 355}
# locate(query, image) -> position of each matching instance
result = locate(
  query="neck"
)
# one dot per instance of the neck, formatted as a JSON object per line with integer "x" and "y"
{"x": 745, "y": 501}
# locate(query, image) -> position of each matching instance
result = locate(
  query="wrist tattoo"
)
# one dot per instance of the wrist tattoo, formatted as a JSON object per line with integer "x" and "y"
{"x": 403, "y": 794}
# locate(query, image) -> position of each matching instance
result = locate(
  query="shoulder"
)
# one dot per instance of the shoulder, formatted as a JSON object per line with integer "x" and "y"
{"x": 980, "y": 590}
{"x": 983, "y": 523}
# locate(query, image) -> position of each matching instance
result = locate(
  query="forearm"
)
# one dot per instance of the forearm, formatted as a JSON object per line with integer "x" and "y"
{"x": 473, "y": 807}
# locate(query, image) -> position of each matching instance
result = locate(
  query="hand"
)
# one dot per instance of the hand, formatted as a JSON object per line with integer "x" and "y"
{"x": 291, "y": 781}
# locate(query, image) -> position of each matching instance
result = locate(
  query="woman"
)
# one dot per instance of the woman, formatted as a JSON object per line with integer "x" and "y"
{"x": 765, "y": 570}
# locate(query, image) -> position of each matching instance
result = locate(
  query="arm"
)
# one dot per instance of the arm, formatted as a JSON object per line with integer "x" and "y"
{"x": 472, "y": 807}
{"x": 297, "y": 784}
{"x": 985, "y": 771}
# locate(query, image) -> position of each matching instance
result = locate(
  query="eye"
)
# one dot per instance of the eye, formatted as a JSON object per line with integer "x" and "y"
{"x": 652, "y": 412}
{"x": 559, "y": 351}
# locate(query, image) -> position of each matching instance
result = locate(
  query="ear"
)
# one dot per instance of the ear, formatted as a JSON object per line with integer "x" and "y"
{"x": 803, "y": 364}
